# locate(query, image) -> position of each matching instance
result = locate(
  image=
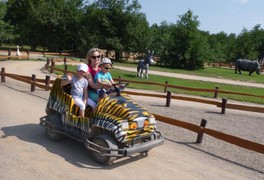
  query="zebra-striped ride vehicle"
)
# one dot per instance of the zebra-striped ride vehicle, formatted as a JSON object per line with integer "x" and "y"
{"x": 117, "y": 127}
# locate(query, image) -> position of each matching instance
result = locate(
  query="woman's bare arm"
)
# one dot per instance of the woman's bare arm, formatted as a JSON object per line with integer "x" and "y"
{"x": 89, "y": 77}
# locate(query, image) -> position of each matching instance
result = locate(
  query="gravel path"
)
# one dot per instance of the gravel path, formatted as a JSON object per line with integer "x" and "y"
{"x": 212, "y": 159}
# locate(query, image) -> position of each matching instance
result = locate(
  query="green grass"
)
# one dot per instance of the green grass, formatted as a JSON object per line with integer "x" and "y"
{"x": 190, "y": 83}
{"x": 216, "y": 72}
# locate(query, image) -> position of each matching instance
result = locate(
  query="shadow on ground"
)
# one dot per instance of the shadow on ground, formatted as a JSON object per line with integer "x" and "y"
{"x": 72, "y": 151}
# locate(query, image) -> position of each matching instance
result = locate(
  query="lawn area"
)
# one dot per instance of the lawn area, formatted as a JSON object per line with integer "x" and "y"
{"x": 209, "y": 72}
{"x": 216, "y": 72}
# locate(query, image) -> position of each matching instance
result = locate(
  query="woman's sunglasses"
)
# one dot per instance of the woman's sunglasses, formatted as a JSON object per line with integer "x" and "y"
{"x": 94, "y": 57}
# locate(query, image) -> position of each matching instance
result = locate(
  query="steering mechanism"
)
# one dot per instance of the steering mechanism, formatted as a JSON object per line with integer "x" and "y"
{"x": 118, "y": 87}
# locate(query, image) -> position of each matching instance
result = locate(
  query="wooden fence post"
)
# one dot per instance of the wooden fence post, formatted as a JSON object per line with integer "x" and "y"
{"x": 9, "y": 53}
{"x": 47, "y": 81}
{"x": 166, "y": 86}
{"x": 65, "y": 65}
{"x": 224, "y": 102}
{"x": 52, "y": 65}
{"x": 65, "y": 68}
{"x": 27, "y": 54}
{"x": 33, "y": 82}
{"x": 168, "y": 99}
{"x": 200, "y": 134}
{"x": 65, "y": 60}
{"x": 216, "y": 91}
{"x": 2, "y": 74}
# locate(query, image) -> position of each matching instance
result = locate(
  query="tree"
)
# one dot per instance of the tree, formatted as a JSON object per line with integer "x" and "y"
{"x": 257, "y": 34}
{"x": 161, "y": 37}
{"x": 188, "y": 47}
{"x": 246, "y": 45}
{"x": 6, "y": 30}
{"x": 219, "y": 45}
{"x": 117, "y": 25}
{"x": 51, "y": 24}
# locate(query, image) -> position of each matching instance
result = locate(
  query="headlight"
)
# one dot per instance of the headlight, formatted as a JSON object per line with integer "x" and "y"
{"x": 124, "y": 125}
{"x": 133, "y": 126}
{"x": 152, "y": 120}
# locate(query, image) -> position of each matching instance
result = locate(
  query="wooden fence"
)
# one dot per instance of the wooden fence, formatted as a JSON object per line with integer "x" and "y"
{"x": 223, "y": 105}
{"x": 51, "y": 65}
{"x": 14, "y": 57}
{"x": 27, "y": 56}
{"x": 200, "y": 130}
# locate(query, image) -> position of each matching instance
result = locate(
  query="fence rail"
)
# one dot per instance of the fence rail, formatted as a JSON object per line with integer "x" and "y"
{"x": 27, "y": 56}
{"x": 14, "y": 57}
{"x": 216, "y": 134}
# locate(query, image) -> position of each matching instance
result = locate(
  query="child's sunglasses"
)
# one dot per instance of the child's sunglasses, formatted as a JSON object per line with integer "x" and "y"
{"x": 107, "y": 68}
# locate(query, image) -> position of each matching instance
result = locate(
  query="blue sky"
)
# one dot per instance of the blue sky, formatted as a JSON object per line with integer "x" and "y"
{"x": 230, "y": 16}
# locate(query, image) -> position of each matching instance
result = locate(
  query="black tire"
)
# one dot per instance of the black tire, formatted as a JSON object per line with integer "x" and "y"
{"x": 50, "y": 111}
{"x": 54, "y": 119}
{"x": 54, "y": 136}
{"x": 107, "y": 142}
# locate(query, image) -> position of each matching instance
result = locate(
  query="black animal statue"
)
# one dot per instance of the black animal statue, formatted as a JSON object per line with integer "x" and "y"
{"x": 247, "y": 65}
{"x": 140, "y": 68}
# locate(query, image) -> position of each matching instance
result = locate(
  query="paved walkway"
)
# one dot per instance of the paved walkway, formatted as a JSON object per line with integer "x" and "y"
{"x": 193, "y": 77}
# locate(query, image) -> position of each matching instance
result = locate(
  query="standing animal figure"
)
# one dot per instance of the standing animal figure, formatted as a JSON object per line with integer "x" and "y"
{"x": 140, "y": 68}
{"x": 18, "y": 52}
{"x": 247, "y": 65}
{"x": 144, "y": 64}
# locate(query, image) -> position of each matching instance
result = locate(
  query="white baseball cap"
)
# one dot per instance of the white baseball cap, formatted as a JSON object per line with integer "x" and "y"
{"x": 106, "y": 60}
{"x": 82, "y": 67}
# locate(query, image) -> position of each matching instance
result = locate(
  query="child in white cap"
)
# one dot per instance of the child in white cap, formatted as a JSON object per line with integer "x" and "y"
{"x": 79, "y": 87}
{"x": 103, "y": 77}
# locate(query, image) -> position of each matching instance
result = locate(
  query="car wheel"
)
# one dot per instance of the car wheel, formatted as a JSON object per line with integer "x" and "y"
{"x": 50, "y": 111}
{"x": 107, "y": 142}
{"x": 54, "y": 119}
{"x": 53, "y": 135}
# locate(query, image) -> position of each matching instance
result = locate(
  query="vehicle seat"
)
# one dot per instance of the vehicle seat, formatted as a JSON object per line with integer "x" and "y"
{"x": 67, "y": 89}
{"x": 75, "y": 108}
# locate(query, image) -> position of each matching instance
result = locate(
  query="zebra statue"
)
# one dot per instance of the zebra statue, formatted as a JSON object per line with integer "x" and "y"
{"x": 143, "y": 64}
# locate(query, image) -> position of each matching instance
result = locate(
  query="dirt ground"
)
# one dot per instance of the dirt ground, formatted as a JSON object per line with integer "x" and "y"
{"x": 26, "y": 152}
